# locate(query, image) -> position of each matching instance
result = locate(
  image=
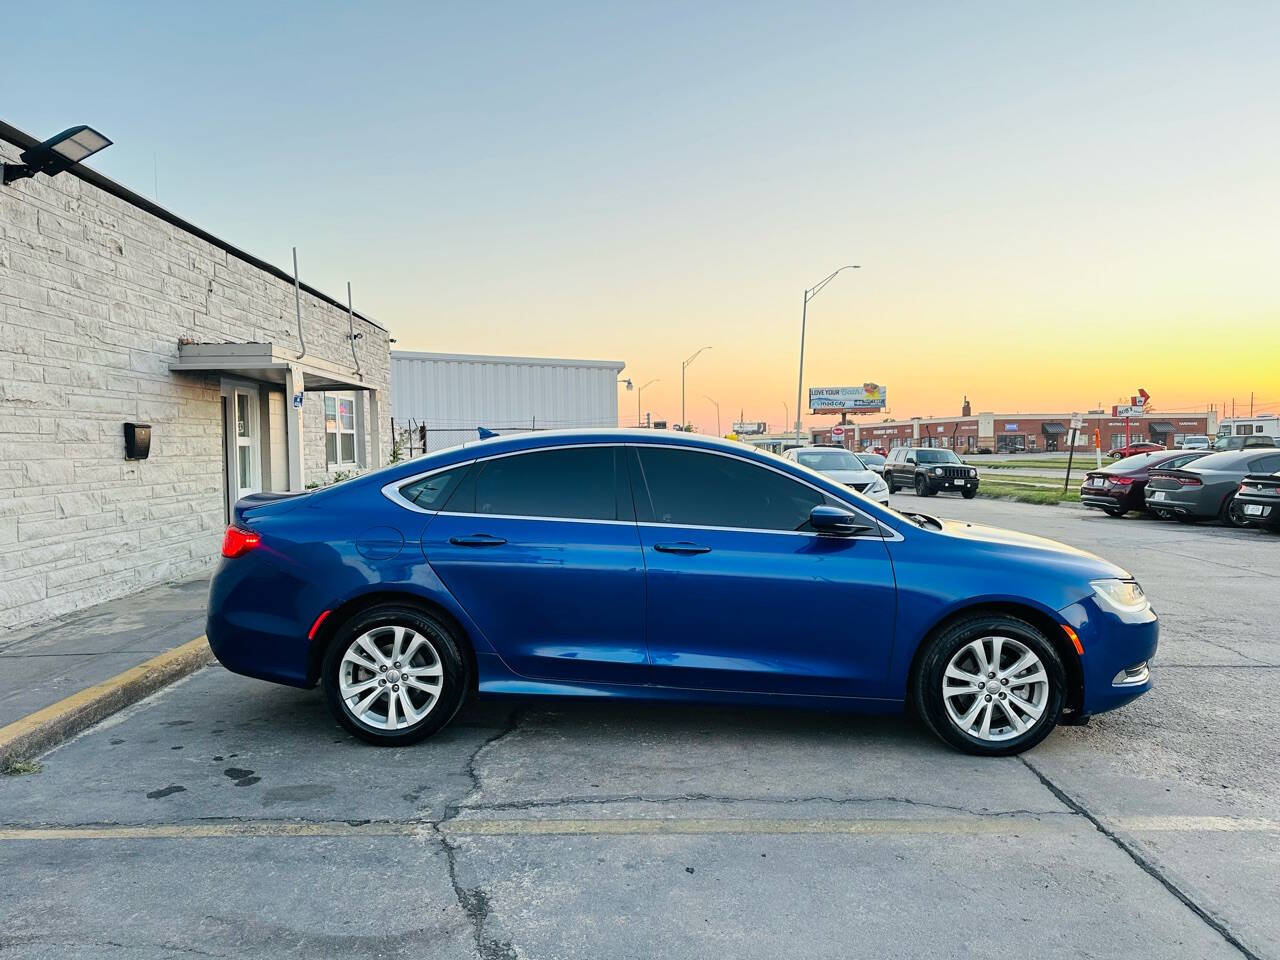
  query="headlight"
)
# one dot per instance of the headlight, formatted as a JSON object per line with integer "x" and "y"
{"x": 1122, "y": 596}
{"x": 973, "y": 473}
{"x": 937, "y": 471}
{"x": 878, "y": 487}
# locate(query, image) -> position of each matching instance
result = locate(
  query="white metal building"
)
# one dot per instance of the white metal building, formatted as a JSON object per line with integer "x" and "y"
{"x": 441, "y": 399}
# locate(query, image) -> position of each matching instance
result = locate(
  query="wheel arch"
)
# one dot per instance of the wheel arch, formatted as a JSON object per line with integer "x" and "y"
{"x": 1037, "y": 617}
{"x": 356, "y": 605}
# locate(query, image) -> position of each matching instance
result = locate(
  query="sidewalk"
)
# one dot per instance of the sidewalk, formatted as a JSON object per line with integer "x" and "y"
{"x": 45, "y": 664}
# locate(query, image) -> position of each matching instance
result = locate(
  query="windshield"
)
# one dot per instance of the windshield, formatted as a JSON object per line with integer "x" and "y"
{"x": 871, "y": 459}
{"x": 936, "y": 456}
{"x": 833, "y": 459}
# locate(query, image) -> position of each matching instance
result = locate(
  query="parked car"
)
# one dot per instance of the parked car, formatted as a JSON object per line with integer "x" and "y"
{"x": 1206, "y": 488}
{"x": 930, "y": 470}
{"x": 1244, "y": 443}
{"x": 874, "y": 461}
{"x": 844, "y": 467}
{"x": 1121, "y": 487}
{"x": 1258, "y": 500}
{"x": 654, "y": 565}
{"x": 882, "y": 451}
{"x": 1135, "y": 447}
{"x": 1195, "y": 441}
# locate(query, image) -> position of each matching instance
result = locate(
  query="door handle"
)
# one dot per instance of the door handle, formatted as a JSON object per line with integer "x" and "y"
{"x": 682, "y": 547}
{"x": 478, "y": 540}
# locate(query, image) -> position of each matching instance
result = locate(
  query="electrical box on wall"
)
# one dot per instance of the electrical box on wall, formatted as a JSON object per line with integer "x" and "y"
{"x": 137, "y": 441}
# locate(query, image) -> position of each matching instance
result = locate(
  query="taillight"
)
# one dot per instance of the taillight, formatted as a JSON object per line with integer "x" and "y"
{"x": 1189, "y": 481}
{"x": 1122, "y": 481}
{"x": 237, "y": 541}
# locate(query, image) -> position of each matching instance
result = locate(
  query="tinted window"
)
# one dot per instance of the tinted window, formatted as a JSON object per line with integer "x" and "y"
{"x": 1265, "y": 464}
{"x": 431, "y": 493}
{"x": 705, "y": 489}
{"x": 576, "y": 483}
{"x": 1138, "y": 460}
{"x": 1182, "y": 461}
{"x": 1232, "y": 460}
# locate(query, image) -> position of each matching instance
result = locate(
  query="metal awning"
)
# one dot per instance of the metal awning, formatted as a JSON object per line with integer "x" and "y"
{"x": 266, "y": 362}
{"x": 1052, "y": 429}
{"x": 1162, "y": 426}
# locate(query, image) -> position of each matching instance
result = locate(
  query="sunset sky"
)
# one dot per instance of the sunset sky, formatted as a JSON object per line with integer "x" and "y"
{"x": 1052, "y": 205}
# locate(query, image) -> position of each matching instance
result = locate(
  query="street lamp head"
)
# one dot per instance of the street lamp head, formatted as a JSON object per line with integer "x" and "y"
{"x": 627, "y": 381}
{"x": 57, "y": 154}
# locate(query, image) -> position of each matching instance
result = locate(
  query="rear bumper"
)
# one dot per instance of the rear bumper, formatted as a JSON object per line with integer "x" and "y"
{"x": 1181, "y": 502}
{"x": 1112, "y": 646}
{"x": 255, "y": 625}
{"x": 1109, "y": 498}
{"x": 1268, "y": 509}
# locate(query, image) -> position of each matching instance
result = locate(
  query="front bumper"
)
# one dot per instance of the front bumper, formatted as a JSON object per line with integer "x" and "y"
{"x": 1115, "y": 665}
{"x": 952, "y": 484}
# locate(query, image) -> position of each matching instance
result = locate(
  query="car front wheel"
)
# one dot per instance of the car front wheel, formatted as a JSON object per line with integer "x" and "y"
{"x": 922, "y": 487}
{"x": 990, "y": 685}
{"x": 394, "y": 675}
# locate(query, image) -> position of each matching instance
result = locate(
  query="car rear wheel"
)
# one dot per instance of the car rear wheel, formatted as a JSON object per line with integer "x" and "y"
{"x": 1114, "y": 511}
{"x": 888, "y": 479}
{"x": 990, "y": 685}
{"x": 394, "y": 675}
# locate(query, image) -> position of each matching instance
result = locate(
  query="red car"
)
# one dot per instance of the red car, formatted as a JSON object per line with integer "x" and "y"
{"x": 1135, "y": 447}
{"x": 1119, "y": 488}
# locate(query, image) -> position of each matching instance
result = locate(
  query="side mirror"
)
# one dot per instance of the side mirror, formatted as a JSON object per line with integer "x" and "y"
{"x": 911, "y": 459}
{"x": 828, "y": 519}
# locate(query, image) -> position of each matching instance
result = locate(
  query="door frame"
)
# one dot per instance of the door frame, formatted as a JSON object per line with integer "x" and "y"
{"x": 230, "y": 388}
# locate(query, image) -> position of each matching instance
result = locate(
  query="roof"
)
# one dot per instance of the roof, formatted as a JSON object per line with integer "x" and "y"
{"x": 615, "y": 365}
{"x": 26, "y": 141}
{"x": 264, "y": 361}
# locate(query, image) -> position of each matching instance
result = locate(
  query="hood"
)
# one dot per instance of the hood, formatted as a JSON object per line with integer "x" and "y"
{"x": 851, "y": 476}
{"x": 1034, "y": 548}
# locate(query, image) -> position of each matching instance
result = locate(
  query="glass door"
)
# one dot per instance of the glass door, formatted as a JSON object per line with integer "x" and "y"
{"x": 248, "y": 469}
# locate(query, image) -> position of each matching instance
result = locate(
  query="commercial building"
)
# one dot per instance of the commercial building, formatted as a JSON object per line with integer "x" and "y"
{"x": 115, "y": 313}
{"x": 442, "y": 399}
{"x": 1014, "y": 432}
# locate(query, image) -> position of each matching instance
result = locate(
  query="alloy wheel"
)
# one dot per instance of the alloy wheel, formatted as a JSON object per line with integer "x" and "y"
{"x": 995, "y": 688}
{"x": 390, "y": 678}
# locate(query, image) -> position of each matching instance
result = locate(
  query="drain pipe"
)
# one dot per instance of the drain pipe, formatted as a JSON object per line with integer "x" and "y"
{"x": 351, "y": 327}
{"x": 297, "y": 305}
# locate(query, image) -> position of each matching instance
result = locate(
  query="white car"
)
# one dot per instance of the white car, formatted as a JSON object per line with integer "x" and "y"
{"x": 1194, "y": 441}
{"x": 842, "y": 466}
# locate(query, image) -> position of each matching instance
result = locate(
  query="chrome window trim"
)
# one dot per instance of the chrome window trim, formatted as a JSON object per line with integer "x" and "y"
{"x": 392, "y": 492}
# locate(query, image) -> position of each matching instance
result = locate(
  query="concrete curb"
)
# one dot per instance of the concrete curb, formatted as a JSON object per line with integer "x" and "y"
{"x": 46, "y": 728}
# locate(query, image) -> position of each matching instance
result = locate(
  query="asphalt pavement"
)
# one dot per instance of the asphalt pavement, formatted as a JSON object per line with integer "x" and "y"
{"x": 229, "y": 817}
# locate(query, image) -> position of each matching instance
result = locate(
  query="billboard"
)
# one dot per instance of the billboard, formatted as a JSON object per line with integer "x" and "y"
{"x": 863, "y": 399}
{"x": 746, "y": 428}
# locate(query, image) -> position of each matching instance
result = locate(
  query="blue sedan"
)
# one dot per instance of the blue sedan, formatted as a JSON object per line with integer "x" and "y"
{"x": 647, "y": 565}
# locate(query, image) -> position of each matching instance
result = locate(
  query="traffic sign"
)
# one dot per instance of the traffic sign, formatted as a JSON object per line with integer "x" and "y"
{"x": 1077, "y": 421}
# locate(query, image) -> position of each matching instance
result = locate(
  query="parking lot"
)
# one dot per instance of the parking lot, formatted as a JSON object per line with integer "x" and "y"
{"x": 229, "y": 817}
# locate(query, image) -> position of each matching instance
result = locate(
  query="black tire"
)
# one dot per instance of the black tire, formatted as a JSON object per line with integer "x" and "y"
{"x": 441, "y": 646}
{"x": 888, "y": 479}
{"x": 969, "y": 494}
{"x": 1162, "y": 514}
{"x": 927, "y": 683}
{"x": 1114, "y": 511}
{"x": 1231, "y": 515}
{"x": 1187, "y": 518}
{"x": 922, "y": 487}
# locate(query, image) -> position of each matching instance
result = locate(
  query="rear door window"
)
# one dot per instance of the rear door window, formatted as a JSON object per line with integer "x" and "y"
{"x": 432, "y": 493}
{"x": 709, "y": 490}
{"x": 1265, "y": 464}
{"x": 574, "y": 483}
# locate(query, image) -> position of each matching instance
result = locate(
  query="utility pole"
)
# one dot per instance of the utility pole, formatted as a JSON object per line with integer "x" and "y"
{"x": 804, "y": 309}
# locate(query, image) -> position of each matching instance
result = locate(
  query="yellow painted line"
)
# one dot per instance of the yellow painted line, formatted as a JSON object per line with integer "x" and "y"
{"x": 685, "y": 826}
{"x": 64, "y": 716}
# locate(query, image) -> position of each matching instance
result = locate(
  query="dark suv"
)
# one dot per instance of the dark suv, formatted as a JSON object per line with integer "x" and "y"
{"x": 930, "y": 470}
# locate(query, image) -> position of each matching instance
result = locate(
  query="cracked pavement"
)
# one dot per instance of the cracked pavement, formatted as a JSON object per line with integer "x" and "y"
{"x": 226, "y": 817}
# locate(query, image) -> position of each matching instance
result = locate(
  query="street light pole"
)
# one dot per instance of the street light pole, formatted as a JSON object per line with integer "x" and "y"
{"x": 683, "y": 367}
{"x": 809, "y": 295}
{"x": 786, "y": 416}
{"x": 639, "y": 391}
{"x": 718, "y": 433}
